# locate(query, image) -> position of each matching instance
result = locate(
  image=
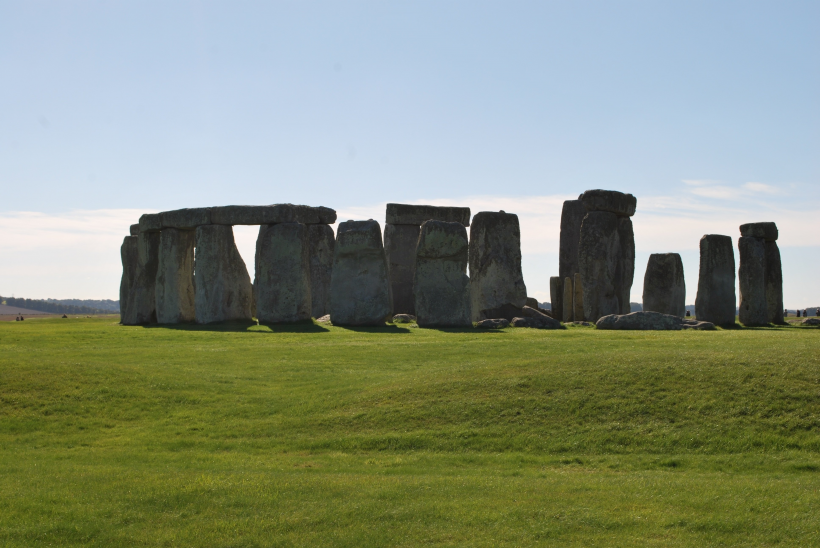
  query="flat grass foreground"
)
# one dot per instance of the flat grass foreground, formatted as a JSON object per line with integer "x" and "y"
{"x": 240, "y": 435}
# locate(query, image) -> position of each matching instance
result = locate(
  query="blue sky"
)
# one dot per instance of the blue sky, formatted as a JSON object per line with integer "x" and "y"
{"x": 707, "y": 112}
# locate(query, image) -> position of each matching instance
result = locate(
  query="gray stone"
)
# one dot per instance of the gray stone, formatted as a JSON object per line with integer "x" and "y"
{"x": 716, "y": 298}
{"x": 640, "y": 321}
{"x": 496, "y": 280}
{"x": 493, "y": 323}
{"x": 664, "y": 287}
{"x": 322, "y": 241}
{"x": 282, "y": 280}
{"x": 408, "y": 214}
{"x": 536, "y": 323}
{"x": 271, "y": 214}
{"x": 532, "y": 303}
{"x": 609, "y": 200}
{"x": 626, "y": 264}
{"x": 134, "y": 230}
{"x": 774, "y": 283}
{"x": 142, "y": 308}
{"x": 599, "y": 254}
{"x": 359, "y": 288}
{"x": 569, "y": 300}
{"x": 404, "y": 318}
{"x": 557, "y": 297}
{"x": 810, "y": 321}
{"x": 400, "y": 248}
{"x": 441, "y": 286}
{"x": 578, "y": 298}
{"x": 766, "y": 231}
{"x": 150, "y": 222}
{"x": 223, "y": 286}
{"x": 753, "y": 308}
{"x": 175, "y": 295}
{"x": 697, "y": 325}
{"x": 186, "y": 218}
{"x": 129, "y": 253}
{"x": 572, "y": 216}
{"x": 542, "y": 320}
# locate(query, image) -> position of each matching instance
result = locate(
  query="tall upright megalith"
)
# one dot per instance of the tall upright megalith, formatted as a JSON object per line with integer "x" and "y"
{"x": 760, "y": 275}
{"x": 223, "y": 286}
{"x": 441, "y": 287}
{"x": 496, "y": 282}
{"x": 175, "y": 277}
{"x": 129, "y": 254}
{"x": 557, "y": 297}
{"x": 282, "y": 281}
{"x": 716, "y": 299}
{"x": 606, "y": 252}
{"x": 774, "y": 283}
{"x": 359, "y": 285}
{"x": 401, "y": 234}
{"x": 572, "y": 216}
{"x": 321, "y": 241}
{"x": 141, "y": 301}
{"x": 664, "y": 287}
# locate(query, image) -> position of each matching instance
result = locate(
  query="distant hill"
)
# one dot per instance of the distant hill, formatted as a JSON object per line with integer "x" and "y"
{"x": 54, "y": 306}
{"x": 104, "y": 304}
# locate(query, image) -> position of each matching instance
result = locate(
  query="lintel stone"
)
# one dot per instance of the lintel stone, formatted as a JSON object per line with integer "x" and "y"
{"x": 766, "y": 231}
{"x": 186, "y": 219}
{"x": 150, "y": 222}
{"x": 408, "y": 214}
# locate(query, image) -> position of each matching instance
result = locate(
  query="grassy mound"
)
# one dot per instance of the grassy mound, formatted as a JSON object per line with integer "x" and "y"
{"x": 242, "y": 435}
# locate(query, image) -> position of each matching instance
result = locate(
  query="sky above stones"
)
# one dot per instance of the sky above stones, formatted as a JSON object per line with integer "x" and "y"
{"x": 708, "y": 113}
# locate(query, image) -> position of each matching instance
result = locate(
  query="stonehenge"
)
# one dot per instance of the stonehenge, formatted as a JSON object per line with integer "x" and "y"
{"x": 321, "y": 241}
{"x": 129, "y": 253}
{"x": 401, "y": 233}
{"x": 141, "y": 306}
{"x": 716, "y": 298}
{"x": 175, "y": 276}
{"x": 223, "y": 286}
{"x": 760, "y": 275}
{"x": 282, "y": 279}
{"x": 664, "y": 288}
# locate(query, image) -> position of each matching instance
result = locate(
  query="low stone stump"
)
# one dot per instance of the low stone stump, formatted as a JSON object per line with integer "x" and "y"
{"x": 664, "y": 287}
{"x": 129, "y": 254}
{"x": 142, "y": 307}
{"x": 716, "y": 298}
{"x": 321, "y": 241}
{"x": 223, "y": 286}
{"x": 493, "y": 323}
{"x": 649, "y": 321}
{"x": 752, "y": 281}
{"x": 282, "y": 280}
{"x": 359, "y": 286}
{"x": 175, "y": 294}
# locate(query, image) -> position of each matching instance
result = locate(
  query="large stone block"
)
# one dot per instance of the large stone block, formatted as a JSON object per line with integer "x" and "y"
{"x": 282, "y": 281}
{"x": 321, "y": 241}
{"x": 359, "y": 287}
{"x": 400, "y": 247}
{"x": 186, "y": 218}
{"x": 150, "y": 222}
{"x": 142, "y": 308}
{"x": 578, "y": 298}
{"x": 625, "y": 273}
{"x": 774, "y": 283}
{"x": 134, "y": 230}
{"x": 572, "y": 215}
{"x": 716, "y": 298}
{"x": 223, "y": 286}
{"x": 557, "y": 297}
{"x": 569, "y": 300}
{"x": 175, "y": 301}
{"x": 753, "y": 308}
{"x": 271, "y": 214}
{"x": 441, "y": 286}
{"x": 129, "y": 253}
{"x": 408, "y": 214}
{"x": 766, "y": 231}
{"x": 664, "y": 287}
{"x": 609, "y": 200}
{"x": 599, "y": 257}
{"x": 496, "y": 280}
{"x": 640, "y": 321}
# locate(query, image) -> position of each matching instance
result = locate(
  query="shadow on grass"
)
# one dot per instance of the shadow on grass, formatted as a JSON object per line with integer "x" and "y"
{"x": 244, "y": 326}
{"x": 390, "y": 329}
{"x": 463, "y": 330}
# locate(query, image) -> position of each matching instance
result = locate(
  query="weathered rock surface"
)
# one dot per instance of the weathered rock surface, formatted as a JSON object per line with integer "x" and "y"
{"x": 569, "y": 300}
{"x": 664, "y": 287}
{"x": 625, "y": 272}
{"x": 752, "y": 281}
{"x": 716, "y": 298}
{"x": 810, "y": 321}
{"x": 536, "y": 318}
{"x": 271, "y": 214}
{"x": 400, "y": 248}
{"x": 142, "y": 298}
{"x": 322, "y": 241}
{"x": 599, "y": 255}
{"x": 532, "y": 302}
{"x": 766, "y": 231}
{"x": 641, "y": 321}
{"x": 408, "y": 214}
{"x": 572, "y": 216}
{"x": 175, "y": 295}
{"x": 774, "y": 283}
{"x": 557, "y": 297}
{"x": 186, "y": 218}
{"x": 493, "y": 323}
{"x": 441, "y": 286}
{"x": 282, "y": 281}
{"x": 697, "y": 325}
{"x": 359, "y": 287}
{"x": 324, "y": 319}
{"x": 611, "y": 201}
{"x": 404, "y": 318}
{"x": 223, "y": 286}
{"x": 134, "y": 230}
{"x": 496, "y": 280}
{"x": 578, "y": 298}
{"x": 129, "y": 253}
{"x": 150, "y": 222}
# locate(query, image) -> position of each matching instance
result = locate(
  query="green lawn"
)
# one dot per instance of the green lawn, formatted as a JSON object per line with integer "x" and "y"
{"x": 321, "y": 436}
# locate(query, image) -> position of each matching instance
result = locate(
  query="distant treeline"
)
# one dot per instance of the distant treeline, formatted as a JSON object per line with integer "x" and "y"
{"x": 104, "y": 304}
{"x": 56, "y": 307}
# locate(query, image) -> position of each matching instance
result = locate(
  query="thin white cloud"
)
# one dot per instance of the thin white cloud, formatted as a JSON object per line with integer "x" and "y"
{"x": 761, "y": 188}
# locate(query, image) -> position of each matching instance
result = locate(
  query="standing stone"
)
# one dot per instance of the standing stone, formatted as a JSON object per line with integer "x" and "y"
{"x": 359, "y": 287}
{"x": 752, "y": 281}
{"x": 572, "y": 215}
{"x": 441, "y": 286}
{"x": 599, "y": 253}
{"x": 223, "y": 286}
{"x": 578, "y": 298}
{"x": 282, "y": 278}
{"x": 129, "y": 253}
{"x": 322, "y": 241}
{"x": 626, "y": 264}
{"x": 557, "y": 297}
{"x": 400, "y": 247}
{"x": 664, "y": 288}
{"x": 174, "y": 294}
{"x": 496, "y": 282}
{"x": 569, "y": 308}
{"x": 716, "y": 299}
{"x": 774, "y": 283}
{"x": 142, "y": 307}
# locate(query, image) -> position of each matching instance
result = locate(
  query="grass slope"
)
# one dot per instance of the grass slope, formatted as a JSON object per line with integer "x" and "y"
{"x": 245, "y": 436}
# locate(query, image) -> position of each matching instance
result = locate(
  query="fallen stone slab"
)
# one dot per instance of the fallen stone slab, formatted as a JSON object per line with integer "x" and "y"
{"x": 150, "y": 222}
{"x": 641, "y": 321}
{"x": 404, "y": 318}
{"x": 534, "y": 323}
{"x": 271, "y": 214}
{"x": 282, "y": 279}
{"x": 716, "y": 297}
{"x": 664, "y": 287}
{"x": 493, "y": 323}
{"x": 766, "y": 231}
{"x": 189, "y": 218}
{"x": 174, "y": 291}
{"x": 810, "y": 321}
{"x": 620, "y": 204}
{"x": 409, "y": 214}
{"x": 542, "y": 320}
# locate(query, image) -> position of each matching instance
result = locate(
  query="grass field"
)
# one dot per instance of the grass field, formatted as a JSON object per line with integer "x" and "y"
{"x": 321, "y": 436}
